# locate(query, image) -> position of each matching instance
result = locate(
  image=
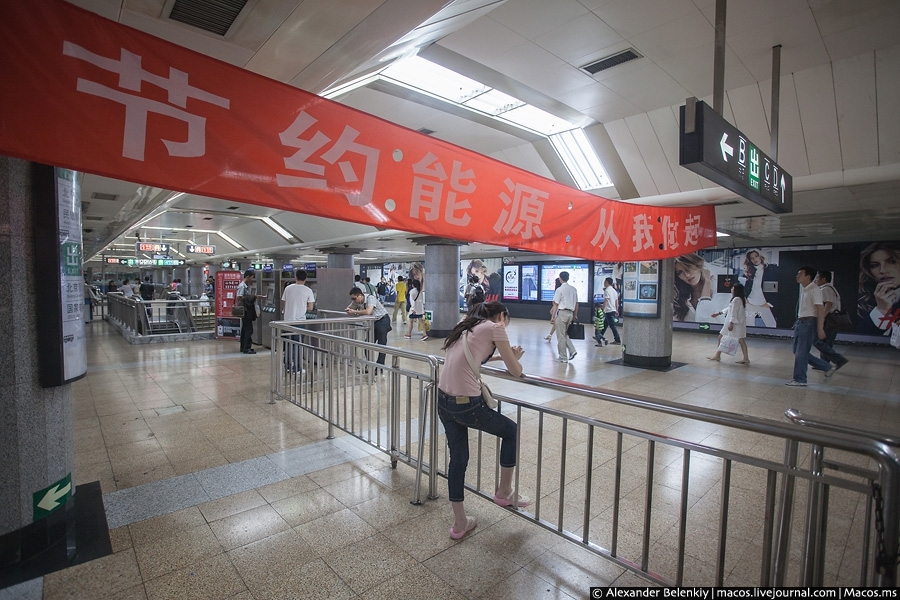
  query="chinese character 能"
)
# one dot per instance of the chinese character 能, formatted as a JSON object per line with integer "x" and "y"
{"x": 428, "y": 191}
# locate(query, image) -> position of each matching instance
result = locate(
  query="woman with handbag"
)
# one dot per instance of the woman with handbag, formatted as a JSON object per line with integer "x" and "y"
{"x": 462, "y": 404}
{"x": 735, "y": 323}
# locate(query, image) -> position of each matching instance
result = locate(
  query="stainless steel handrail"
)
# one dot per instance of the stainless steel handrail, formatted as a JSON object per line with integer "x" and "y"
{"x": 777, "y": 507}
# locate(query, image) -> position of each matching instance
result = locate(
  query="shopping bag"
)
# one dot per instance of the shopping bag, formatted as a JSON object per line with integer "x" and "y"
{"x": 728, "y": 344}
{"x": 895, "y": 334}
{"x": 575, "y": 331}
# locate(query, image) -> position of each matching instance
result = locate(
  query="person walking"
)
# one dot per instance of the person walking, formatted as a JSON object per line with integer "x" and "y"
{"x": 381, "y": 289}
{"x": 549, "y": 336}
{"x": 417, "y": 309}
{"x": 735, "y": 322}
{"x": 400, "y": 302}
{"x": 127, "y": 290}
{"x": 832, "y": 301}
{"x": 810, "y": 326}
{"x": 245, "y": 295}
{"x": 563, "y": 312}
{"x": 610, "y": 310}
{"x": 368, "y": 305}
{"x": 296, "y": 300}
{"x": 461, "y": 405}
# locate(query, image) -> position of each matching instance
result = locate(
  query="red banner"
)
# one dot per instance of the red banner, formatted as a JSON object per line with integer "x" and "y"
{"x": 82, "y": 92}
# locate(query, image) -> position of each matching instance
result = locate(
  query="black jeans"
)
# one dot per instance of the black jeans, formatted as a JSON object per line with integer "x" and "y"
{"x": 382, "y": 328}
{"x": 246, "y": 334}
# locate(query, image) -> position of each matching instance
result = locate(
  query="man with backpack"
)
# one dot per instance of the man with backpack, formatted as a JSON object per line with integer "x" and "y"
{"x": 832, "y": 301}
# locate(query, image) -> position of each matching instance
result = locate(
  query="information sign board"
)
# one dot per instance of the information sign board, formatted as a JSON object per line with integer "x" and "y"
{"x": 718, "y": 151}
{"x": 155, "y": 247}
{"x": 196, "y": 249}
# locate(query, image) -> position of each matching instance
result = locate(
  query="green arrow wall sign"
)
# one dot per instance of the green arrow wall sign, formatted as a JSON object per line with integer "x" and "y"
{"x": 51, "y": 498}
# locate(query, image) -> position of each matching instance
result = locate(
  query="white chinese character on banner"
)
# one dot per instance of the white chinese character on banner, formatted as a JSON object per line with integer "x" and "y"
{"x": 357, "y": 194}
{"x": 428, "y": 191}
{"x": 131, "y": 78}
{"x": 692, "y": 230}
{"x": 524, "y": 212}
{"x": 670, "y": 232}
{"x": 605, "y": 232}
{"x": 643, "y": 233}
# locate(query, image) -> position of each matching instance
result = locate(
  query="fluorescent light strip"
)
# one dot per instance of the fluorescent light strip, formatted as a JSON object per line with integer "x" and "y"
{"x": 392, "y": 252}
{"x": 229, "y": 240}
{"x": 278, "y": 229}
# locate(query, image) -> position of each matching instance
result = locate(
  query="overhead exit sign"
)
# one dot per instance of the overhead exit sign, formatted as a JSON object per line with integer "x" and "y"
{"x": 718, "y": 151}
{"x": 195, "y": 249}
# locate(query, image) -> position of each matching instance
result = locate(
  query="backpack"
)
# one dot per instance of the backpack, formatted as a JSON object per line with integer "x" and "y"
{"x": 477, "y": 294}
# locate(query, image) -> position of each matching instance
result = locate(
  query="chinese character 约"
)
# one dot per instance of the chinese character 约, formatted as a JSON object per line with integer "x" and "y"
{"x": 428, "y": 191}
{"x": 692, "y": 230}
{"x": 670, "y": 232}
{"x": 131, "y": 78}
{"x": 524, "y": 213}
{"x": 605, "y": 232}
{"x": 357, "y": 194}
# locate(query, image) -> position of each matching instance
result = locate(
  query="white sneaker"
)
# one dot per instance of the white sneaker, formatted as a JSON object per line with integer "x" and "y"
{"x": 793, "y": 383}
{"x": 562, "y": 360}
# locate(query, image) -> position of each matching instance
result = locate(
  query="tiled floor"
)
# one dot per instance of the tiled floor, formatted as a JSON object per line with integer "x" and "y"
{"x": 212, "y": 492}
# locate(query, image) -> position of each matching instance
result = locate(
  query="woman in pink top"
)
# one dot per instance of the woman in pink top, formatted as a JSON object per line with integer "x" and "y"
{"x": 461, "y": 406}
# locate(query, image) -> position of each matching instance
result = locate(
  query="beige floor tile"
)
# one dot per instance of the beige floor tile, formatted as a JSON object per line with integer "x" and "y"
{"x": 307, "y": 506}
{"x": 101, "y": 578}
{"x": 287, "y": 488}
{"x": 313, "y": 580}
{"x": 248, "y": 526}
{"x": 470, "y": 567}
{"x": 176, "y": 551}
{"x": 165, "y": 526}
{"x": 231, "y": 505}
{"x": 415, "y": 582}
{"x": 367, "y": 563}
{"x": 212, "y": 578}
{"x": 335, "y": 530}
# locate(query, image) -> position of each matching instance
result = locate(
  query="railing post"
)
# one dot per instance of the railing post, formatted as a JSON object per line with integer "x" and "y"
{"x": 813, "y": 520}
{"x": 783, "y": 520}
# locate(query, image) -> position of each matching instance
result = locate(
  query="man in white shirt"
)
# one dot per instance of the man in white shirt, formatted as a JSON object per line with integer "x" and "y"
{"x": 610, "y": 310}
{"x": 296, "y": 301}
{"x": 832, "y": 301}
{"x": 809, "y": 327}
{"x": 562, "y": 313}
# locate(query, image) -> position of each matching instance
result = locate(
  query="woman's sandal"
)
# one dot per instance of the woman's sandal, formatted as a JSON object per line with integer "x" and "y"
{"x": 510, "y": 500}
{"x": 470, "y": 525}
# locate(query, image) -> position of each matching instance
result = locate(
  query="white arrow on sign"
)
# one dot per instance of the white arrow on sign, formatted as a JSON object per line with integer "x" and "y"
{"x": 49, "y": 501}
{"x": 726, "y": 149}
{"x": 782, "y": 189}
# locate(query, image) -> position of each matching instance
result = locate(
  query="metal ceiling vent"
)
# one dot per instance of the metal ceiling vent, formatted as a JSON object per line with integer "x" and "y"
{"x": 214, "y": 16}
{"x": 611, "y": 61}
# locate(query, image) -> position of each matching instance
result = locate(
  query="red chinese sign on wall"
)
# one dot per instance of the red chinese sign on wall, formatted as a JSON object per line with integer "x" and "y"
{"x": 86, "y": 93}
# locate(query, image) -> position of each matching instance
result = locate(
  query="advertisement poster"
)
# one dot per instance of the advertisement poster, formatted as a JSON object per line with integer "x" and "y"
{"x": 511, "y": 282}
{"x": 68, "y": 196}
{"x": 227, "y": 282}
{"x": 530, "y": 279}
{"x": 640, "y": 289}
{"x": 488, "y": 272}
{"x": 579, "y": 274}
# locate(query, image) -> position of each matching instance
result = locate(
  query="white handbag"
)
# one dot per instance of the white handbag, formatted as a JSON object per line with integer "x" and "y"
{"x": 485, "y": 390}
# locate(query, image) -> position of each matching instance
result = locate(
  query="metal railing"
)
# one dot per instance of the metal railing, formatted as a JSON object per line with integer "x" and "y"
{"x": 161, "y": 317}
{"x": 675, "y": 511}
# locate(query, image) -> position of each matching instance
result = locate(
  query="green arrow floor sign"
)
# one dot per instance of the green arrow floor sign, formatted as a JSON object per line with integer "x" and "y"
{"x": 51, "y": 498}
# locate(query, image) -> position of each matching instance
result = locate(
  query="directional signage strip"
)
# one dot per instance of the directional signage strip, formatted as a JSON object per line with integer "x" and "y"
{"x": 721, "y": 153}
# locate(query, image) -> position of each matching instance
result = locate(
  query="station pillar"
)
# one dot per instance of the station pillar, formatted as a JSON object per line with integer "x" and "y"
{"x": 647, "y": 342}
{"x": 441, "y": 284}
{"x": 36, "y": 431}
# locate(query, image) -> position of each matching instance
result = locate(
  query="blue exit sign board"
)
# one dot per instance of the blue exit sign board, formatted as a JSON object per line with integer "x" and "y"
{"x": 718, "y": 151}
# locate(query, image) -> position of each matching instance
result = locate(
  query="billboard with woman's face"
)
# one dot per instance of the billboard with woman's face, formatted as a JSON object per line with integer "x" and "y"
{"x": 878, "y": 304}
